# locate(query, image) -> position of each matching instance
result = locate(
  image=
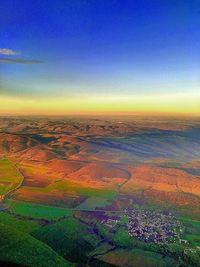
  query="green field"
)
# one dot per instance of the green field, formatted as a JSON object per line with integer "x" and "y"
{"x": 137, "y": 258}
{"x": 68, "y": 238}
{"x": 10, "y": 177}
{"x": 93, "y": 202}
{"x": 21, "y": 248}
{"x": 83, "y": 191}
{"x": 37, "y": 211}
{"x": 192, "y": 231}
{"x": 19, "y": 224}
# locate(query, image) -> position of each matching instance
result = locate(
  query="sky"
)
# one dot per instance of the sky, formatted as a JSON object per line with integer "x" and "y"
{"x": 108, "y": 56}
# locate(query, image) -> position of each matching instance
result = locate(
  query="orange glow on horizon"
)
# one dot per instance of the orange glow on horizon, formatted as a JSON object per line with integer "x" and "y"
{"x": 166, "y": 104}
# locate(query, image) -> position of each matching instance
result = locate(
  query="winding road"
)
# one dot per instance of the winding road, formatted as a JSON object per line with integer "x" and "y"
{"x": 2, "y": 197}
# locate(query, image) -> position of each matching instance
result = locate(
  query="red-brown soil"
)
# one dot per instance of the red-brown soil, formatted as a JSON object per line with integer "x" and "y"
{"x": 12, "y": 143}
{"x": 163, "y": 179}
{"x": 99, "y": 175}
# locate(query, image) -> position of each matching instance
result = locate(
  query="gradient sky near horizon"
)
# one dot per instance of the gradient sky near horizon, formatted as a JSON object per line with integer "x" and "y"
{"x": 106, "y": 56}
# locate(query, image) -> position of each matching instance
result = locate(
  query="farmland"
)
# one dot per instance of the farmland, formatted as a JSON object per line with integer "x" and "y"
{"x": 100, "y": 192}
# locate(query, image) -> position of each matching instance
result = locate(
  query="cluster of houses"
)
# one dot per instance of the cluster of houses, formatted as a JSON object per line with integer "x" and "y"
{"x": 111, "y": 222}
{"x": 151, "y": 226}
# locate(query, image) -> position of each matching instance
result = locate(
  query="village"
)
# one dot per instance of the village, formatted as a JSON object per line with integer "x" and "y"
{"x": 149, "y": 226}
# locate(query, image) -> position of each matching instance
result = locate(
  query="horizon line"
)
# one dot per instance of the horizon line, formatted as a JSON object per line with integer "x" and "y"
{"x": 108, "y": 114}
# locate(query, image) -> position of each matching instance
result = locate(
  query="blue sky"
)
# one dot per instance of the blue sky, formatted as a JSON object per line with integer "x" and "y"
{"x": 99, "y": 47}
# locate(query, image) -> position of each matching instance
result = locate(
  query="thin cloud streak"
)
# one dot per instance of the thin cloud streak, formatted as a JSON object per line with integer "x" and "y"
{"x": 8, "y": 52}
{"x": 19, "y": 61}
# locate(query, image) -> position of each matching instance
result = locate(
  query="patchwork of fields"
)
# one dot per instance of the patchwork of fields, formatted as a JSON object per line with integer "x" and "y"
{"x": 83, "y": 192}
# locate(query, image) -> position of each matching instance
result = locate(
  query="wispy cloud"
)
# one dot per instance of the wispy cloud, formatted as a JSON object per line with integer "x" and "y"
{"x": 19, "y": 60}
{"x": 9, "y": 60}
{"x": 8, "y": 52}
